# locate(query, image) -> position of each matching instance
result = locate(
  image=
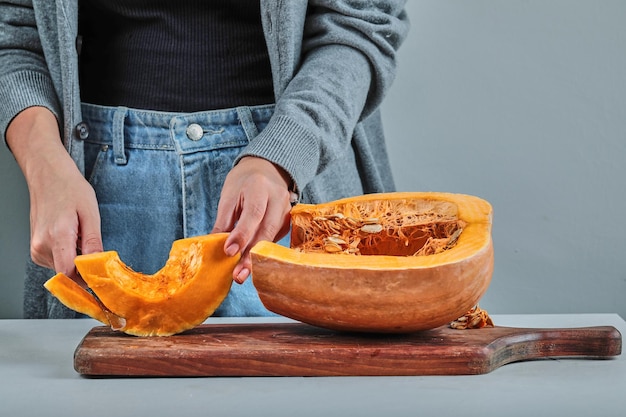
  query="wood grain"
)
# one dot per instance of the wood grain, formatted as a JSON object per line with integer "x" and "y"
{"x": 296, "y": 349}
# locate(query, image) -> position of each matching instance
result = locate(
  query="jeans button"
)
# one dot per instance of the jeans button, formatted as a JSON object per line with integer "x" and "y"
{"x": 194, "y": 131}
{"x": 82, "y": 131}
{"x": 79, "y": 44}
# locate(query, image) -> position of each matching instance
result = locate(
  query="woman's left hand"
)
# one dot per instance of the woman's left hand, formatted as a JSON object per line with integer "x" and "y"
{"x": 254, "y": 205}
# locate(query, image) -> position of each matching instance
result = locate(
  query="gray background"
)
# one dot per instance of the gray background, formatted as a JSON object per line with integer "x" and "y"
{"x": 520, "y": 102}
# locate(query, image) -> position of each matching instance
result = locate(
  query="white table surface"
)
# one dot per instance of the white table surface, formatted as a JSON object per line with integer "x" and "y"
{"x": 37, "y": 378}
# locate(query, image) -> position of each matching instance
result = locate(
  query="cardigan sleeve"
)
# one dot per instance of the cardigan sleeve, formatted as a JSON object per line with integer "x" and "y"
{"x": 347, "y": 65}
{"x": 24, "y": 77}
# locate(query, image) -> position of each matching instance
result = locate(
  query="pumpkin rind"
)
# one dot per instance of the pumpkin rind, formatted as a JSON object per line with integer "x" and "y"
{"x": 380, "y": 293}
{"x": 194, "y": 281}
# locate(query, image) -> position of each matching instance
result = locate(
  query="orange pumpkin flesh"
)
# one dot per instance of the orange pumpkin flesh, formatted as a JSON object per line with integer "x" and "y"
{"x": 423, "y": 261}
{"x": 75, "y": 297}
{"x": 193, "y": 283}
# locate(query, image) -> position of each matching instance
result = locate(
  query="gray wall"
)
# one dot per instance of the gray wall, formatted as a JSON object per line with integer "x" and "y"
{"x": 521, "y": 102}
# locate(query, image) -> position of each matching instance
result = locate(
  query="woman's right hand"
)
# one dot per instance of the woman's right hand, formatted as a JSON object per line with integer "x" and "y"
{"x": 64, "y": 215}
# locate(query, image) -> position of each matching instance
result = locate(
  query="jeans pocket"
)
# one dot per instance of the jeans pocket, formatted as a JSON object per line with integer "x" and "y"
{"x": 95, "y": 154}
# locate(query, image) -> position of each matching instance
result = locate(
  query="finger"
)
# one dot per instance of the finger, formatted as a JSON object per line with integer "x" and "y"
{"x": 40, "y": 252}
{"x": 272, "y": 228}
{"x": 274, "y": 225}
{"x": 227, "y": 210}
{"x": 252, "y": 214}
{"x": 64, "y": 250}
{"x": 242, "y": 269}
{"x": 40, "y": 257}
{"x": 269, "y": 222}
{"x": 285, "y": 229}
{"x": 54, "y": 247}
{"x": 90, "y": 233}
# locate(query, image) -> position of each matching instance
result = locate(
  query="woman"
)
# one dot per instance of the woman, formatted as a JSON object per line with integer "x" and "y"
{"x": 137, "y": 122}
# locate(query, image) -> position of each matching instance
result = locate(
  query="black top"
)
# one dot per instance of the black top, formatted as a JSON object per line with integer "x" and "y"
{"x": 180, "y": 56}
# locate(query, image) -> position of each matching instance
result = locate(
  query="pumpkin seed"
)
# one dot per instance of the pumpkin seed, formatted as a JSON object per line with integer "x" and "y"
{"x": 336, "y": 240}
{"x": 332, "y": 247}
{"x": 352, "y": 222}
{"x": 372, "y": 228}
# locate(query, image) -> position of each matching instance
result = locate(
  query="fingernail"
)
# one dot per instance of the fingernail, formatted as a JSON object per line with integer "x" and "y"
{"x": 242, "y": 275}
{"x": 232, "y": 249}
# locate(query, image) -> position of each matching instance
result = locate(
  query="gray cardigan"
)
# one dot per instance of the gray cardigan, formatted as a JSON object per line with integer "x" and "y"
{"x": 332, "y": 63}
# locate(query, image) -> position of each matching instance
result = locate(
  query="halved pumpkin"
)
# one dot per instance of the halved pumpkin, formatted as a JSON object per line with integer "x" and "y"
{"x": 392, "y": 263}
{"x": 195, "y": 280}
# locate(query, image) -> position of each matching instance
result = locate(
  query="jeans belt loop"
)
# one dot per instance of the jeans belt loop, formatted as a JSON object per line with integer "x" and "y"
{"x": 247, "y": 122}
{"x": 118, "y": 135}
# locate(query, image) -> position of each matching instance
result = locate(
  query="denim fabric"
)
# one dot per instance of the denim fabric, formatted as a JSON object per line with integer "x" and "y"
{"x": 157, "y": 180}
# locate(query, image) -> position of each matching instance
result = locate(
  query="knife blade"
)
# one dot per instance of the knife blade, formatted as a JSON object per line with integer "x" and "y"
{"x": 116, "y": 322}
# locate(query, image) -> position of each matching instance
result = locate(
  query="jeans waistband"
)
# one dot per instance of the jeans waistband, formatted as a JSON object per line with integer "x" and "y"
{"x": 183, "y": 132}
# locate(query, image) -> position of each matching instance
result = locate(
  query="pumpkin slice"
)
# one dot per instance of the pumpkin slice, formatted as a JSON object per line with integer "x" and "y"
{"x": 193, "y": 283}
{"x": 391, "y": 263}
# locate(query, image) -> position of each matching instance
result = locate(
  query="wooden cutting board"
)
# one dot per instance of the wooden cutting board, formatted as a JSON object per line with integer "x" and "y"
{"x": 296, "y": 349}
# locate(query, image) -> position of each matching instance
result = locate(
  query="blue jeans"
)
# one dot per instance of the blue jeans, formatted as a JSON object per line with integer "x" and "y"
{"x": 158, "y": 177}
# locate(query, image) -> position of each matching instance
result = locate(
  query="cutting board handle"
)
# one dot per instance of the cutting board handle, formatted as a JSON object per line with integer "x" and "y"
{"x": 584, "y": 342}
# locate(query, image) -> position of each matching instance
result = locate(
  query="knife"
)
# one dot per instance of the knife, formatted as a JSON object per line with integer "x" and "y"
{"x": 116, "y": 322}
